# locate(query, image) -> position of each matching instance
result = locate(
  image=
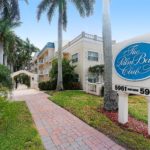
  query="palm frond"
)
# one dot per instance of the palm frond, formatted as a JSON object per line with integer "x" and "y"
{"x": 85, "y": 7}
{"x": 79, "y": 5}
{"x": 51, "y": 10}
{"x": 64, "y": 15}
{"x": 42, "y": 7}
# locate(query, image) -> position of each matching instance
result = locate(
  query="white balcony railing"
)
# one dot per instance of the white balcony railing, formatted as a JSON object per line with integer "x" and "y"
{"x": 46, "y": 59}
{"x": 40, "y": 72}
{"x": 41, "y": 62}
{"x": 46, "y": 72}
{"x": 94, "y": 88}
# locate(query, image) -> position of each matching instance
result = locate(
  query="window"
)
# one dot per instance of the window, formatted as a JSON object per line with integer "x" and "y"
{"x": 77, "y": 79}
{"x": 92, "y": 78}
{"x": 93, "y": 56}
{"x": 75, "y": 58}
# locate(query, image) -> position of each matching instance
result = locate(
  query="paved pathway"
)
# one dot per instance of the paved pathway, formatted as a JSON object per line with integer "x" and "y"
{"x": 59, "y": 129}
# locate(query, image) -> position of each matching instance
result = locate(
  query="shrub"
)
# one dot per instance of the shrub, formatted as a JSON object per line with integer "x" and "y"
{"x": 51, "y": 85}
{"x": 47, "y": 85}
{"x": 72, "y": 86}
{"x": 5, "y": 78}
{"x": 69, "y": 75}
{"x": 3, "y": 91}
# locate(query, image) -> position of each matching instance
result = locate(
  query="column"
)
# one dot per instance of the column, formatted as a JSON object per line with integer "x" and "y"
{"x": 123, "y": 108}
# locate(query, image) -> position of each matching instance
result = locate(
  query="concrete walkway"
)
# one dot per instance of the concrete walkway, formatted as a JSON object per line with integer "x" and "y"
{"x": 59, "y": 129}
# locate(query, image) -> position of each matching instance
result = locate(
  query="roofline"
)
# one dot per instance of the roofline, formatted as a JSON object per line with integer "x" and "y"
{"x": 48, "y": 45}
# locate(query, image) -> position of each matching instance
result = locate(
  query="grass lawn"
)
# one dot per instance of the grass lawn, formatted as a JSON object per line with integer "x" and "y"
{"x": 85, "y": 107}
{"x": 138, "y": 108}
{"x": 17, "y": 130}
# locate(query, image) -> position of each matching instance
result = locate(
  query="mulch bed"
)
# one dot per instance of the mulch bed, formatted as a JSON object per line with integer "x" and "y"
{"x": 132, "y": 125}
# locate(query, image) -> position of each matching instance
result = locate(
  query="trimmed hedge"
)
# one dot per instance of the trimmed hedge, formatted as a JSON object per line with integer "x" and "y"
{"x": 72, "y": 86}
{"x": 5, "y": 78}
{"x": 3, "y": 91}
{"x": 49, "y": 85}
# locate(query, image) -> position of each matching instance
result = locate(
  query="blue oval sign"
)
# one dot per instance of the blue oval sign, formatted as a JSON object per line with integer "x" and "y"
{"x": 133, "y": 62}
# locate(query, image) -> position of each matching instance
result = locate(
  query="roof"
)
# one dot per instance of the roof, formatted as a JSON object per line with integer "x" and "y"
{"x": 48, "y": 45}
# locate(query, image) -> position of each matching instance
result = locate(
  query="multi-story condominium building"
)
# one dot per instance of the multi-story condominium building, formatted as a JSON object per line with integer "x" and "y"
{"x": 85, "y": 51}
{"x": 41, "y": 63}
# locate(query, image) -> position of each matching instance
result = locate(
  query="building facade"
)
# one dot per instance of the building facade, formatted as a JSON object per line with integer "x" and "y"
{"x": 41, "y": 63}
{"x": 85, "y": 51}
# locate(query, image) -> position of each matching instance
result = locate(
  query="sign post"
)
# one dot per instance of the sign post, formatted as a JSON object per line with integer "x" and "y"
{"x": 131, "y": 74}
{"x": 123, "y": 108}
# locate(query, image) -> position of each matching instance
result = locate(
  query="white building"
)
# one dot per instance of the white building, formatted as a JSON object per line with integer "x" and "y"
{"x": 41, "y": 63}
{"x": 85, "y": 51}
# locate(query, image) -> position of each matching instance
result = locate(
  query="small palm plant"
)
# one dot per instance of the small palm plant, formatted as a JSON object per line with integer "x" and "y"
{"x": 85, "y": 8}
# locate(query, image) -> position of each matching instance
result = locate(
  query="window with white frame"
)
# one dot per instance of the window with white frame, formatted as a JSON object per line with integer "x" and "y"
{"x": 77, "y": 78}
{"x": 75, "y": 58}
{"x": 93, "y": 56}
{"x": 92, "y": 78}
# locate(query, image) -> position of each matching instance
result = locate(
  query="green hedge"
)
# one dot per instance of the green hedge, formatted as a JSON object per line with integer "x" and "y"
{"x": 49, "y": 85}
{"x": 5, "y": 78}
{"x": 3, "y": 91}
{"x": 72, "y": 86}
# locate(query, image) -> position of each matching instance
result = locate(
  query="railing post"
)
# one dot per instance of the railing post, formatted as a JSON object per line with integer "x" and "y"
{"x": 83, "y": 34}
{"x": 95, "y": 37}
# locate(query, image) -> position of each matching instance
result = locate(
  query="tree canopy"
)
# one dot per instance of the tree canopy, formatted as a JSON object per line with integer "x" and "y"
{"x": 69, "y": 74}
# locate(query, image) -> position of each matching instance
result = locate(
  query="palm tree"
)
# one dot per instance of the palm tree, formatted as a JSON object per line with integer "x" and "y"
{"x": 110, "y": 97}
{"x": 9, "y": 9}
{"x": 9, "y": 16}
{"x": 85, "y": 8}
{"x": 6, "y": 37}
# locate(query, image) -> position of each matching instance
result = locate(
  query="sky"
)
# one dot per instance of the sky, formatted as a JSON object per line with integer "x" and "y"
{"x": 129, "y": 18}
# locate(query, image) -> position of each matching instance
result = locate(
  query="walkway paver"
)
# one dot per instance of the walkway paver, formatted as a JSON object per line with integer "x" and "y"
{"x": 60, "y": 130}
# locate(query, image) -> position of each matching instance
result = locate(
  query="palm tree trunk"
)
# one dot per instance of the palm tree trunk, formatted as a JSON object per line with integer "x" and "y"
{"x": 110, "y": 97}
{"x": 59, "y": 78}
{"x": 5, "y": 59}
{"x": 1, "y": 53}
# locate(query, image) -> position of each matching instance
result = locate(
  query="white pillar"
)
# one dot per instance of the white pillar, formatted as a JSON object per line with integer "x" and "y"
{"x": 148, "y": 100}
{"x": 123, "y": 108}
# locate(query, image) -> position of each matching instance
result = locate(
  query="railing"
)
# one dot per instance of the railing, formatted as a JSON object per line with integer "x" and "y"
{"x": 46, "y": 59}
{"x": 40, "y": 72}
{"x": 83, "y": 35}
{"x": 41, "y": 62}
{"x": 46, "y": 72}
{"x": 94, "y": 88}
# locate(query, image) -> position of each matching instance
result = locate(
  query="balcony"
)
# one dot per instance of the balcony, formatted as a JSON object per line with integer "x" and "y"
{"x": 46, "y": 59}
{"x": 46, "y": 72}
{"x": 41, "y": 62}
{"x": 40, "y": 72}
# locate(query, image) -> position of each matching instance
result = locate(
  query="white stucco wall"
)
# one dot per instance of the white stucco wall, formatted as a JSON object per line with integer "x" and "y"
{"x": 82, "y": 47}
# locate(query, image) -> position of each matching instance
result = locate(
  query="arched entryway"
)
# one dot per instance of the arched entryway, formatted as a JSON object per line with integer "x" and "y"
{"x": 33, "y": 78}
